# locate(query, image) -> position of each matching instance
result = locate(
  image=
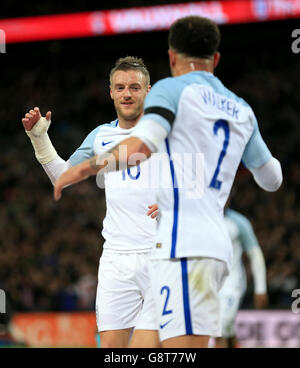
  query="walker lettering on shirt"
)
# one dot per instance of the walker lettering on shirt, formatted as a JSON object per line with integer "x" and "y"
{"x": 220, "y": 102}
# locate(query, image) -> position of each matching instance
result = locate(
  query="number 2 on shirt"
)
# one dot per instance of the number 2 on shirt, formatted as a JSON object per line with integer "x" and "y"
{"x": 220, "y": 124}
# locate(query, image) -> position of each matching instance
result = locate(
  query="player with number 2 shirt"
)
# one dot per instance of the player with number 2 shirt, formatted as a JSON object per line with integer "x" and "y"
{"x": 192, "y": 117}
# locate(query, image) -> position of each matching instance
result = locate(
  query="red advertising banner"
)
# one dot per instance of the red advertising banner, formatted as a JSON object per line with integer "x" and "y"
{"x": 270, "y": 329}
{"x": 55, "y": 329}
{"x": 143, "y": 19}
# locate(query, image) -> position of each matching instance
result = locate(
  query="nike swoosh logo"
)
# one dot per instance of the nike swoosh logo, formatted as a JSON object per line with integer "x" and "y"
{"x": 105, "y": 143}
{"x": 165, "y": 324}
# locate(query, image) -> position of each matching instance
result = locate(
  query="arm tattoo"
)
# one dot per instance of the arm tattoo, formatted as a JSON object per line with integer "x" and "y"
{"x": 93, "y": 162}
{"x": 105, "y": 160}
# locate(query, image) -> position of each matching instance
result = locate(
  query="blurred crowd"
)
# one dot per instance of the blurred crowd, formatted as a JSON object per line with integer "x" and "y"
{"x": 49, "y": 252}
{"x": 269, "y": 86}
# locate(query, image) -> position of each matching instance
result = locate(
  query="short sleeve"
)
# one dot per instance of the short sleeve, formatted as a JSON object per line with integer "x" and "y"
{"x": 162, "y": 101}
{"x": 86, "y": 149}
{"x": 256, "y": 152}
{"x": 247, "y": 236}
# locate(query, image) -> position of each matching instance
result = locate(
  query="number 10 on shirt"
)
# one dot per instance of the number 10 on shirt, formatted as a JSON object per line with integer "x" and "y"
{"x": 129, "y": 173}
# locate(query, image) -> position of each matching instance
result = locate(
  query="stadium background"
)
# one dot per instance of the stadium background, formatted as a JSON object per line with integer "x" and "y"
{"x": 49, "y": 251}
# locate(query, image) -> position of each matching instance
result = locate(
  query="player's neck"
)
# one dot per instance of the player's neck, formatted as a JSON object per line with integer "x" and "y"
{"x": 187, "y": 65}
{"x": 191, "y": 67}
{"x": 128, "y": 124}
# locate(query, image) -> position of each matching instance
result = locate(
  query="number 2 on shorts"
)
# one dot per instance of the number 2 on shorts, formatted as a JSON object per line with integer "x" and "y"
{"x": 167, "y": 289}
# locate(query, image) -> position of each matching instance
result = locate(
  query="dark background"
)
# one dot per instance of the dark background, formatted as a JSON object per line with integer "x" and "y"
{"x": 49, "y": 251}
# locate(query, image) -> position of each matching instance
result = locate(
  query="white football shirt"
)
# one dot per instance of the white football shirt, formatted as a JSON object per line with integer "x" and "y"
{"x": 210, "y": 130}
{"x": 126, "y": 226}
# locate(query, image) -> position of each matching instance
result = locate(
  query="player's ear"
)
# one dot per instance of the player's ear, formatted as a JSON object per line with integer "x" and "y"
{"x": 217, "y": 57}
{"x": 148, "y": 88}
{"x": 172, "y": 58}
{"x": 110, "y": 92}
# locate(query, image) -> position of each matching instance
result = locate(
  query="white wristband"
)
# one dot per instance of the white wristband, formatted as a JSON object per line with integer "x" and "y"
{"x": 43, "y": 148}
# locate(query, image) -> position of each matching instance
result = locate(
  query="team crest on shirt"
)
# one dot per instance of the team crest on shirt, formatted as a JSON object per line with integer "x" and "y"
{"x": 158, "y": 245}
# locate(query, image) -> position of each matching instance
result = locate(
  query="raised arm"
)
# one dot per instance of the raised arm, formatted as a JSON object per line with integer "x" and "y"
{"x": 36, "y": 127}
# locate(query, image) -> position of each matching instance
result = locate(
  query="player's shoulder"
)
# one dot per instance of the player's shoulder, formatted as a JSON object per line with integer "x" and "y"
{"x": 171, "y": 88}
{"x": 178, "y": 83}
{"x": 165, "y": 93}
{"x": 201, "y": 78}
{"x": 106, "y": 128}
{"x": 171, "y": 85}
{"x": 218, "y": 86}
{"x": 100, "y": 130}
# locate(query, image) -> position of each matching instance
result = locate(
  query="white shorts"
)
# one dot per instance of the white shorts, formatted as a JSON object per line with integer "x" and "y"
{"x": 230, "y": 303}
{"x": 185, "y": 296}
{"x": 123, "y": 280}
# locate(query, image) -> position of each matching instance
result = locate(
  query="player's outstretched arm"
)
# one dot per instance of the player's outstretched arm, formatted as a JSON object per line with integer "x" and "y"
{"x": 118, "y": 157}
{"x": 258, "y": 269}
{"x": 269, "y": 175}
{"x": 265, "y": 168}
{"x": 36, "y": 127}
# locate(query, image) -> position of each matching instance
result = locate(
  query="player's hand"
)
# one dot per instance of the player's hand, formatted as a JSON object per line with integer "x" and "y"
{"x": 33, "y": 117}
{"x": 260, "y": 301}
{"x": 153, "y": 210}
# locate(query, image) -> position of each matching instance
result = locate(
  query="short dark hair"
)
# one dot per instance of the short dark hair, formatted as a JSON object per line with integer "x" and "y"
{"x": 195, "y": 36}
{"x": 130, "y": 63}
